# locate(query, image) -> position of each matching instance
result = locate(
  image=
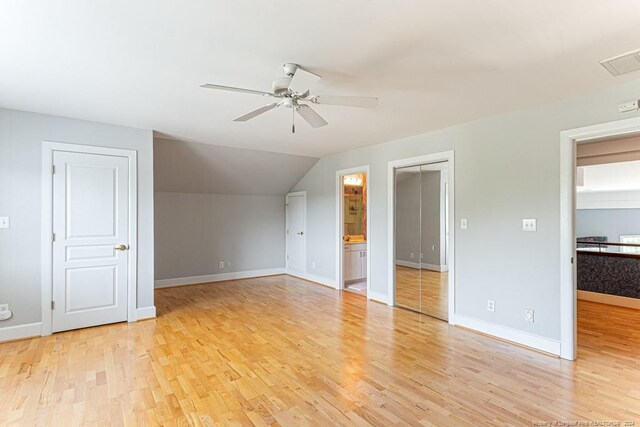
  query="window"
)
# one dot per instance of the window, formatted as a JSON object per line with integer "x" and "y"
{"x": 633, "y": 239}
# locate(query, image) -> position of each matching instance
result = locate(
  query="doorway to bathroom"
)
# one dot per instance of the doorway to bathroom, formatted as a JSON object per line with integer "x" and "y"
{"x": 353, "y": 230}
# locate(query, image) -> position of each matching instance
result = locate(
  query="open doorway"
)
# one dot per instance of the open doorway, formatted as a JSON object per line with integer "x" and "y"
{"x": 353, "y": 230}
{"x": 599, "y": 266}
{"x": 607, "y": 237}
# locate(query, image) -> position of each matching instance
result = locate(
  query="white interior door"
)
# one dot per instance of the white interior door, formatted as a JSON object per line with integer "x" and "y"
{"x": 296, "y": 238}
{"x": 91, "y": 226}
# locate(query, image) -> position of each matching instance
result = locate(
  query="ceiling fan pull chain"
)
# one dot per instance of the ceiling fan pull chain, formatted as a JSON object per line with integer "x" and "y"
{"x": 293, "y": 120}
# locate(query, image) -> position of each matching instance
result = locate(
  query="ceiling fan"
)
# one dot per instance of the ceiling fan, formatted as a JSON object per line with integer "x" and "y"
{"x": 292, "y": 91}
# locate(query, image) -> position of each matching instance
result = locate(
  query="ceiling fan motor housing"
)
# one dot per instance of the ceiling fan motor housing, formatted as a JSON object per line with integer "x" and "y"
{"x": 290, "y": 69}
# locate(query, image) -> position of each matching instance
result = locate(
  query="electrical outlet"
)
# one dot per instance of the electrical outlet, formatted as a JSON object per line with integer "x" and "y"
{"x": 313, "y": 265}
{"x": 529, "y": 225}
{"x": 528, "y": 314}
{"x": 4, "y": 307}
{"x": 228, "y": 263}
{"x": 411, "y": 255}
{"x": 491, "y": 305}
{"x": 221, "y": 264}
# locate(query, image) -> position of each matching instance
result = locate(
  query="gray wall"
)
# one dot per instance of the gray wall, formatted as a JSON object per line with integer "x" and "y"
{"x": 196, "y": 231}
{"x": 415, "y": 221}
{"x": 21, "y": 136}
{"x": 607, "y": 222}
{"x": 506, "y": 168}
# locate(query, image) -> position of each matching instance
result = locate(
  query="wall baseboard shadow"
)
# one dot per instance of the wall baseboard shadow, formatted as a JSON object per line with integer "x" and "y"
{"x": 331, "y": 283}
{"x": 221, "y": 277}
{"x": 506, "y": 333}
{"x": 19, "y": 332}
{"x": 423, "y": 266}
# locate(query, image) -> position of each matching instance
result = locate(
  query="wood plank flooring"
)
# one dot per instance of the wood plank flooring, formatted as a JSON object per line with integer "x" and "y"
{"x": 282, "y": 351}
{"x": 423, "y": 290}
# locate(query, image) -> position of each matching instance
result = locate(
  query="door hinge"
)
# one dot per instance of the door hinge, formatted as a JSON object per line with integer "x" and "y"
{"x": 53, "y": 305}
{"x": 53, "y": 169}
{"x": 287, "y": 256}
{"x": 53, "y": 237}
{"x": 571, "y": 260}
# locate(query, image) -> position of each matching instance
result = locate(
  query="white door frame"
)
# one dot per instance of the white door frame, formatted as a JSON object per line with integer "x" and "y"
{"x": 568, "y": 283}
{"x": 340, "y": 225}
{"x": 304, "y": 230}
{"x": 447, "y": 156}
{"x": 48, "y": 148}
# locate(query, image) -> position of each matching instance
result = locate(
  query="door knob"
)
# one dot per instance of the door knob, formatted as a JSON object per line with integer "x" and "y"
{"x": 301, "y": 233}
{"x": 121, "y": 248}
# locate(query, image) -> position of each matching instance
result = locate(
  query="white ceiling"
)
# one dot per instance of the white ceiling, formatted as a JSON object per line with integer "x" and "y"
{"x": 431, "y": 63}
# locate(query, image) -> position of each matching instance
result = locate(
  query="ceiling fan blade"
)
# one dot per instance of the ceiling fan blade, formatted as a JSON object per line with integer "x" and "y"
{"x": 303, "y": 80}
{"x": 255, "y": 113}
{"x": 347, "y": 101}
{"x": 236, "y": 89}
{"x": 314, "y": 119}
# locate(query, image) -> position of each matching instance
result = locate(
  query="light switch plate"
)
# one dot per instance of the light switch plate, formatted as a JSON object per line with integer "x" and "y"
{"x": 529, "y": 225}
{"x": 4, "y": 222}
{"x": 463, "y": 223}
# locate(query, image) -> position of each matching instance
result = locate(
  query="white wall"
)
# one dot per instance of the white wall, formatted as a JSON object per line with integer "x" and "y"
{"x": 194, "y": 232}
{"x": 21, "y": 136}
{"x": 507, "y": 168}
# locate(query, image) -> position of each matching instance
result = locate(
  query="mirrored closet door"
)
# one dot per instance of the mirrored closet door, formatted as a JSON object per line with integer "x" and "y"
{"x": 421, "y": 237}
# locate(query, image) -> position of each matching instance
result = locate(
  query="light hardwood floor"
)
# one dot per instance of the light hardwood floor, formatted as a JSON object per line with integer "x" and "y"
{"x": 280, "y": 350}
{"x": 423, "y": 290}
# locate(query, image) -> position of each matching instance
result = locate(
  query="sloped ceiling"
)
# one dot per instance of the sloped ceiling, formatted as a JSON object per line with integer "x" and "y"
{"x": 188, "y": 167}
{"x": 432, "y": 63}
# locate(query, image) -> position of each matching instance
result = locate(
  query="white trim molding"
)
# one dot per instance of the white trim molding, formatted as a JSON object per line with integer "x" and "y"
{"x": 48, "y": 148}
{"x": 221, "y": 277}
{"x": 146, "y": 312}
{"x": 448, "y": 156}
{"x": 568, "y": 286}
{"x": 609, "y": 299}
{"x": 313, "y": 278}
{"x": 19, "y": 332}
{"x": 527, "y": 339}
{"x": 378, "y": 297}
{"x": 339, "y": 283}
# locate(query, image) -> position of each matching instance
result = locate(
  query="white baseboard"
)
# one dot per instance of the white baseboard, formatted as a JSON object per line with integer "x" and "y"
{"x": 609, "y": 299}
{"x": 181, "y": 281}
{"x": 506, "y": 333}
{"x": 17, "y": 332}
{"x": 417, "y": 265}
{"x": 146, "y": 312}
{"x": 376, "y": 296}
{"x": 313, "y": 278}
{"x": 409, "y": 264}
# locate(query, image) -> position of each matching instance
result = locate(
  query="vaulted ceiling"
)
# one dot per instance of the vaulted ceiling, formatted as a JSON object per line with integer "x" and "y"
{"x": 187, "y": 167}
{"x": 432, "y": 63}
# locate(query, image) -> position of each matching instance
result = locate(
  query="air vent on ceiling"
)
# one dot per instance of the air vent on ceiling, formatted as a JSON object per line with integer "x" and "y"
{"x": 623, "y": 64}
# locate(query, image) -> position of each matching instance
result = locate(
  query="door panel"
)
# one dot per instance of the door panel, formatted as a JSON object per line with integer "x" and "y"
{"x": 408, "y": 242}
{"x": 434, "y": 282}
{"x": 90, "y": 219}
{"x": 296, "y": 240}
